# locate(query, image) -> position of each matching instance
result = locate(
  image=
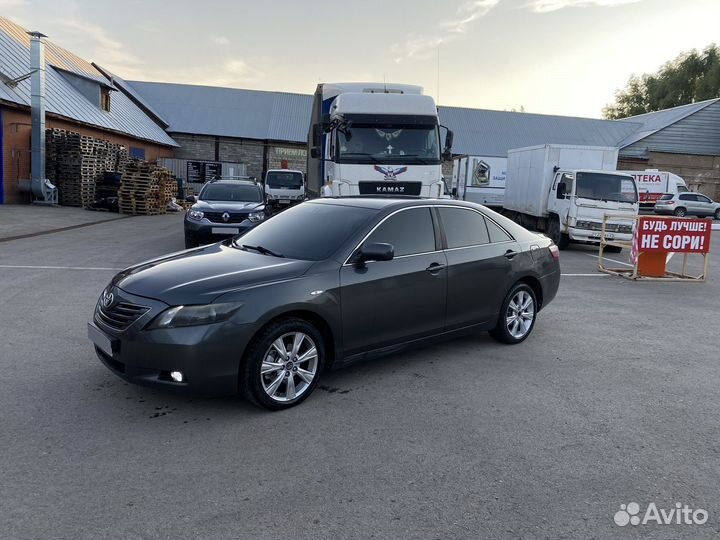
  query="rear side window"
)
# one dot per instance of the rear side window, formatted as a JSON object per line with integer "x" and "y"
{"x": 666, "y": 197}
{"x": 463, "y": 227}
{"x": 687, "y": 197}
{"x": 496, "y": 233}
{"x": 409, "y": 232}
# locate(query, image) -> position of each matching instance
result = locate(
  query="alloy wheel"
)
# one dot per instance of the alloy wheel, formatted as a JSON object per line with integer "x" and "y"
{"x": 520, "y": 314}
{"x": 289, "y": 366}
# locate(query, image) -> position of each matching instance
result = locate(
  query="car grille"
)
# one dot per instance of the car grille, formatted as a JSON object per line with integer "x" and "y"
{"x": 119, "y": 316}
{"x": 609, "y": 227}
{"x": 235, "y": 217}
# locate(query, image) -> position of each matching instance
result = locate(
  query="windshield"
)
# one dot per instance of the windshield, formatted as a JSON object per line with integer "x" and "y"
{"x": 229, "y": 192}
{"x": 389, "y": 143}
{"x": 284, "y": 180}
{"x": 606, "y": 187}
{"x": 309, "y": 231}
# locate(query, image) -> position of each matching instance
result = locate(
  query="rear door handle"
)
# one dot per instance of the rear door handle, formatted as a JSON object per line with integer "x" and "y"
{"x": 510, "y": 254}
{"x": 434, "y": 268}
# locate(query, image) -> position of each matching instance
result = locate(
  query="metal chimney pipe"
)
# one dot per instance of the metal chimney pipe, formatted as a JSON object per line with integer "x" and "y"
{"x": 37, "y": 112}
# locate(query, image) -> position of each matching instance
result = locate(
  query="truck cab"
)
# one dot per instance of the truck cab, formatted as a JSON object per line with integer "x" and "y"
{"x": 284, "y": 187}
{"x": 581, "y": 197}
{"x": 375, "y": 139}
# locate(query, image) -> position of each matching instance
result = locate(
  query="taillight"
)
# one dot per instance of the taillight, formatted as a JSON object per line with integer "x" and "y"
{"x": 669, "y": 202}
{"x": 554, "y": 252}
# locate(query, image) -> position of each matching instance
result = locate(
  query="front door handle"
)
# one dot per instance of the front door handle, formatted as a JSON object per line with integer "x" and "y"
{"x": 434, "y": 268}
{"x": 510, "y": 254}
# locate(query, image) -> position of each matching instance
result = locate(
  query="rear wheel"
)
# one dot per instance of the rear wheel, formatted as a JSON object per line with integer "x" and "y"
{"x": 517, "y": 315}
{"x": 562, "y": 240}
{"x": 282, "y": 364}
{"x": 680, "y": 212}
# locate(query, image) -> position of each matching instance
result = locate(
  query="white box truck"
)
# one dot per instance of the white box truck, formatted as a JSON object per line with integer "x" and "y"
{"x": 480, "y": 179}
{"x": 284, "y": 187}
{"x": 652, "y": 184}
{"x": 566, "y": 190}
{"x": 375, "y": 139}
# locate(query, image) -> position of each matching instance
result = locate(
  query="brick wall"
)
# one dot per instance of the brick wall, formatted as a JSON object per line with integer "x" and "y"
{"x": 701, "y": 173}
{"x": 16, "y": 148}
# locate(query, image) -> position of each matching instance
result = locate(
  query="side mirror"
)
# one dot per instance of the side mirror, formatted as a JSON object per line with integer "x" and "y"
{"x": 375, "y": 252}
{"x": 315, "y": 152}
{"x": 561, "y": 190}
{"x": 190, "y": 198}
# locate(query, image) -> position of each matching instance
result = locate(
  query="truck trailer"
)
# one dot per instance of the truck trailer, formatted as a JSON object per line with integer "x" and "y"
{"x": 375, "y": 139}
{"x": 480, "y": 179}
{"x": 566, "y": 190}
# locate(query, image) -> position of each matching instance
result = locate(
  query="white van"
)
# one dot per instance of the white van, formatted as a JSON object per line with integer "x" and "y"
{"x": 284, "y": 187}
{"x": 653, "y": 184}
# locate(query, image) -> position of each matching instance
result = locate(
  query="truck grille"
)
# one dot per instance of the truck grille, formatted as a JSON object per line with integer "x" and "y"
{"x": 119, "y": 316}
{"x": 235, "y": 217}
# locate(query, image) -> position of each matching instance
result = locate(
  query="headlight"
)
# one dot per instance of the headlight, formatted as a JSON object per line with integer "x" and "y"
{"x": 195, "y": 214}
{"x": 256, "y": 216}
{"x": 194, "y": 315}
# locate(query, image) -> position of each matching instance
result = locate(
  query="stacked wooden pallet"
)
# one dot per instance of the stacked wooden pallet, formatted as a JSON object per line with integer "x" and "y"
{"x": 74, "y": 162}
{"x": 145, "y": 189}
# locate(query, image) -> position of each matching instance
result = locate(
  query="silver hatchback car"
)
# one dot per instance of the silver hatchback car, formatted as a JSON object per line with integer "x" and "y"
{"x": 687, "y": 204}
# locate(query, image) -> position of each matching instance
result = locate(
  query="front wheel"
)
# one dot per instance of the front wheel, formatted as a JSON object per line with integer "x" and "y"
{"x": 190, "y": 241}
{"x": 517, "y": 315}
{"x": 561, "y": 240}
{"x": 717, "y": 213}
{"x": 282, "y": 364}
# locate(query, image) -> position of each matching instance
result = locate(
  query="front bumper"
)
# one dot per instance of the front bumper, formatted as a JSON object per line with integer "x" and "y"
{"x": 208, "y": 355}
{"x": 593, "y": 236}
{"x": 205, "y": 231}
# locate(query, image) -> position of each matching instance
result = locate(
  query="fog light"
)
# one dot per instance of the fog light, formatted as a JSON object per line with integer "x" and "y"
{"x": 177, "y": 376}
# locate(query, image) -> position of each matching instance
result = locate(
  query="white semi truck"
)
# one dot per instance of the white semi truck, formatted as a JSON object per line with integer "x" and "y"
{"x": 566, "y": 190}
{"x": 375, "y": 139}
{"x": 480, "y": 179}
{"x": 653, "y": 184}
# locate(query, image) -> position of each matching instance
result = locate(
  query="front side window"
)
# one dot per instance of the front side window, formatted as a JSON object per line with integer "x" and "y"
{"x": 409, "y": 231}
{"x": 228, "y": 192}
{"x": 702, "y": 198}
{"x": 605, "y": 187}
{"x": 463, "y": 227}
{"x": 388, "y": 143}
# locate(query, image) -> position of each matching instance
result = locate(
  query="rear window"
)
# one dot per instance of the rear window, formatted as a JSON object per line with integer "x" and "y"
{"x": 666, "y": 197}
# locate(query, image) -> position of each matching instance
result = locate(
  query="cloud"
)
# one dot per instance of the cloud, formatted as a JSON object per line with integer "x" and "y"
{"x": 547, "y": 6}
{"x": 422, "y": 47}
{"x": 220, "y": 40}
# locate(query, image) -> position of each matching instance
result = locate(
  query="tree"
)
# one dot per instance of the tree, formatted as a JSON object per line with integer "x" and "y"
{"x": 691, "y": 77}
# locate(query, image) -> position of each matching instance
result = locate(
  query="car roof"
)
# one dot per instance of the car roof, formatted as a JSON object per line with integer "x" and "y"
{"x": 232, "y": 182}
{"x": 390, "y": 202}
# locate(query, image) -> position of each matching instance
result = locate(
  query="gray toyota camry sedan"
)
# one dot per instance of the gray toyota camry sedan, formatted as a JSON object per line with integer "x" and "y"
{"x": 321, "y": 285}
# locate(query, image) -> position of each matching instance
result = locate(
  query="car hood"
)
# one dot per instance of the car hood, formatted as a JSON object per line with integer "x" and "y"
{"x": 200, "y": 275}
{"x": 226, "y": 206}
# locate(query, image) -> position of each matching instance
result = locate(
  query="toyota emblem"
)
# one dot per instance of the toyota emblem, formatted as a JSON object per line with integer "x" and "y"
{"x": 226, "y": 217}
{"x": 107, "y": 299}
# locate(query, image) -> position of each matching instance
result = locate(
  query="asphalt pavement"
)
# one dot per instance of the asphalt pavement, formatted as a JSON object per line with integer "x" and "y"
{"x": 613, "y": 399}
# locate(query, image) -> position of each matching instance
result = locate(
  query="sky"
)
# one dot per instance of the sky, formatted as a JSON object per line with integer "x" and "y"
{"x": 565, "y": 57}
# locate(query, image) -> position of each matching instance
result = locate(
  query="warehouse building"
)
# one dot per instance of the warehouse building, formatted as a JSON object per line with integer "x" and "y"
{"x": 80, "y": 97}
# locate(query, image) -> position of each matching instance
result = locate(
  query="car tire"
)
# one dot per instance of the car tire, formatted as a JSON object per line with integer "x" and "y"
{"x": 506, "y": 331}
{"x": 272, "y": 381}
{"x": 717, "y": 214}
{"x": 190, "y": 241}
{"x": 562, "y": 240}
{"x": 613, "y": 249}
{"x": 680, "y": 212}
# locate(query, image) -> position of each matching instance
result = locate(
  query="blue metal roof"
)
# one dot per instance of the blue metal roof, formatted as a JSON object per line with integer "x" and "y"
{"x": 229, "y": 112}
{"x": 63, "y": 98}
{"x": 650, "y": 123}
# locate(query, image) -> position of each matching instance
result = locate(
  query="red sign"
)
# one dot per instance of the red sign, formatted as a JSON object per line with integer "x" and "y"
{"x": 673, "y": 235}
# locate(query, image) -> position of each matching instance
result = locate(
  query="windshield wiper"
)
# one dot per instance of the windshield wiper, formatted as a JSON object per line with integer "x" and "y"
{"x": 263, "y": 250}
